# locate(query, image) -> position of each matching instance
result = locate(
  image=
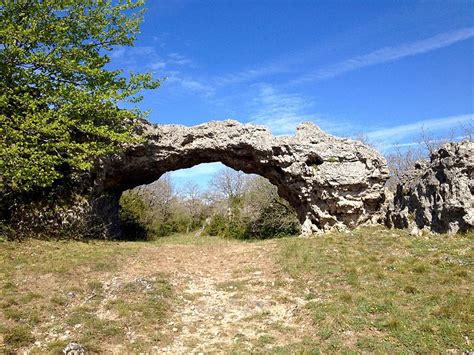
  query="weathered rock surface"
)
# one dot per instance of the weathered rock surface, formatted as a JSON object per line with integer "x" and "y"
{"x": 333, "y": 183}
{"x": 437, "y": 195}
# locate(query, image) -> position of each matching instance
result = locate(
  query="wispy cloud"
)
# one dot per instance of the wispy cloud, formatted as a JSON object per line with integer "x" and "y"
{"x": 148, "y": 58}
{"x": 132, "y": 53}
{"x": 388, "y": 54}
{"x": 387, "y": 137}
{"x": 178, "y": 59}
{"x": 172, "y": 66}
{"x": 247, "y": 75}
{"x": 282, "y": 112}
{"x": 286, "y": 65}
{"x": 188, "y": 83}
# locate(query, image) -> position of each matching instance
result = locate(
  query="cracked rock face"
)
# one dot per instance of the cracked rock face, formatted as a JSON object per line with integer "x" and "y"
{"x": 437, "y": 195}
{"x": 333, "y": 183}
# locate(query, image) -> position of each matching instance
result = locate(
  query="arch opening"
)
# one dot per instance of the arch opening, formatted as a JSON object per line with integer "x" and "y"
{"x": 207, "y": 199}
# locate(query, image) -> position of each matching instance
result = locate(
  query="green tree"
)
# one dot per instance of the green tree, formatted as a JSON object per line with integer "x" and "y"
{"x": 59, "y": 105}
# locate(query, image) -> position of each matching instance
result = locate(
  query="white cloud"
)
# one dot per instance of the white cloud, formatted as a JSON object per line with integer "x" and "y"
{"x": 387, "y": 137}
{"x": 147, "y": 58}
{"x": 250, "y": 74}
{"x": 170, "y": 66}
{"x": 117, "y": 53}
{"x": 197, "y": 172}
{"x": 388, "y": 54}
{"x": 178, "y": 59}
{"x": 379, "y": 56}
{"x": 157, "y": 65}
{"x": 188, "y": 83}
{"x": 282, "y": 112}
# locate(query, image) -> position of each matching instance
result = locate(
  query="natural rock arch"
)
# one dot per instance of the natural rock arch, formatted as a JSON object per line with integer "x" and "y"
{"x": 332, "y": 183}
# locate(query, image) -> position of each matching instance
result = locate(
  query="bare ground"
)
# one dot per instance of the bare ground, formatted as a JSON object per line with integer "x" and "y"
{"x": 231, "y": 297}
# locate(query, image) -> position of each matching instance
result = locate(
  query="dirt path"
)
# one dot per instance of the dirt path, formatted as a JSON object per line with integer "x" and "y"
{"x": 231, "y": 297}
{"x": 174, "y": 296}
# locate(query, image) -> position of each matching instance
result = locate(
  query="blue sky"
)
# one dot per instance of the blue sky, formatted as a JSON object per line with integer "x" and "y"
{"x": 382, "y": 67}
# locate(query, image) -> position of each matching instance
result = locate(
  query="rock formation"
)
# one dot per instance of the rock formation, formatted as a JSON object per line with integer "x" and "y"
{"x": 437, "y": 195}
{"x": 333, "y": 183}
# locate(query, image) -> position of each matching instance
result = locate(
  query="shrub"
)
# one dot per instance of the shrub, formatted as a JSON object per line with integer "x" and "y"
{"x": 132, "y": 216}
{"x": 217, "y": 226}
{"x": 275, "y": 220}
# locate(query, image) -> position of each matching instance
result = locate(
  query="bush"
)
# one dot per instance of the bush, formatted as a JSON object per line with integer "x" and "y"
{"x": 162, "y": 229}
{"x": 257, "y": 212}
{"x": 132, "y": 216}
{"x": 275, "y": 220}
{"x": 217, "y": 226}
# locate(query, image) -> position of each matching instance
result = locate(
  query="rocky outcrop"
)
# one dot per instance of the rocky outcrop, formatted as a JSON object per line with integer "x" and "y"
{"x": 333, "y": 183}
{"x": 437, "y": 195}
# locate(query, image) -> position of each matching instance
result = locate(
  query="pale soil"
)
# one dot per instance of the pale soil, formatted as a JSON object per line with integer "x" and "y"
{"x": 231, "y": 297}
{"x": 226, "y": 296}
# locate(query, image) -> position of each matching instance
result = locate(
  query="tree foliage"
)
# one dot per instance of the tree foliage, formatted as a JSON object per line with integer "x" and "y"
{"x": 59, "y": 104}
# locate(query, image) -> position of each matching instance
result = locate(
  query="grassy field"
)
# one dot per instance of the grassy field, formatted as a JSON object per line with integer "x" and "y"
{"x": 372, "y": 290}
{"x": 385, "y": 291}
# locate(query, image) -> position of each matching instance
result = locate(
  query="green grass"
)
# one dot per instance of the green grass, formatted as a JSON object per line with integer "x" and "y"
{"x": 62, "y": 257}
{"x": 194, "y": 238}
{"x": 376, "y": 290}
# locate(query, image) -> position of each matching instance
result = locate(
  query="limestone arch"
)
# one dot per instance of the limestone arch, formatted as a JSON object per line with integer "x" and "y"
{"x": 330, "y": 182}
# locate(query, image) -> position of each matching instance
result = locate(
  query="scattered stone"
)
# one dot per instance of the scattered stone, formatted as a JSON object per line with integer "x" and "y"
{"x": 146, "y": 284}
{"x": 74, "y": 349}
{"x": 415, "y": 231}
{"x": 437, "y": 195}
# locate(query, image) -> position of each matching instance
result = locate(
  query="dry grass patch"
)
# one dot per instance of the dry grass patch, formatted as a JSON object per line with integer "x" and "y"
{"x": 52, "y": 293}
